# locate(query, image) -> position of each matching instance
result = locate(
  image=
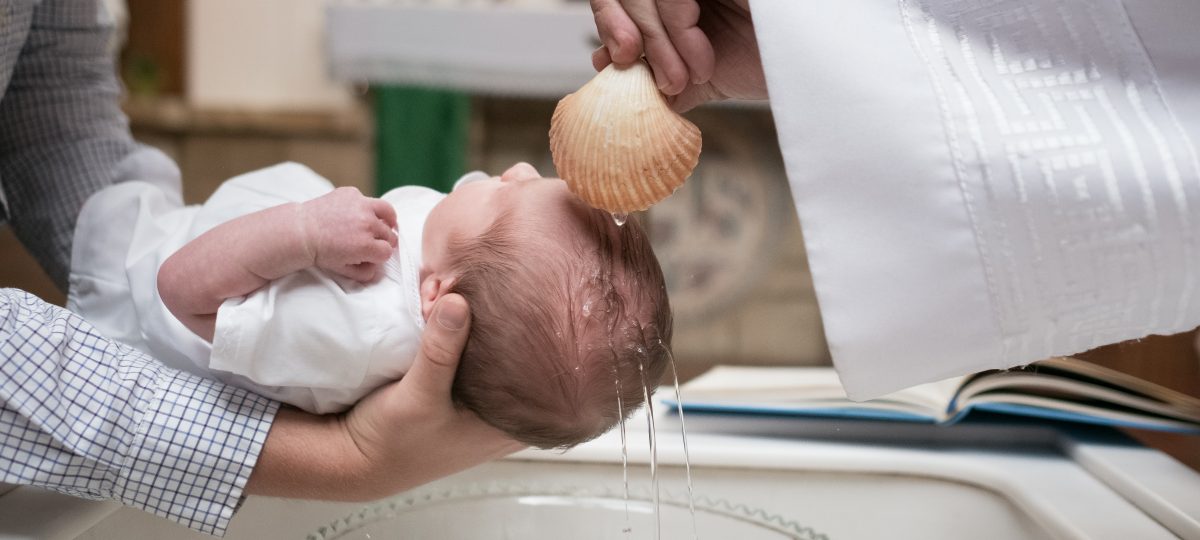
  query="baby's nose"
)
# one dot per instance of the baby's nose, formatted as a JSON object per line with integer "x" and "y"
{"x": 519, "y": 173}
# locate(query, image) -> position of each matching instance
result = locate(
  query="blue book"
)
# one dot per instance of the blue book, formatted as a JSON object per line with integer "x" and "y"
{"x": 1059, "y": 389}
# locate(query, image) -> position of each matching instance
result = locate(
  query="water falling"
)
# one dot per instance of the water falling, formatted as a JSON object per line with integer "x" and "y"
{"x": 653, "y": 451}
{"x": 624, "y": 454}
{"x": 620, "y": 218}
{"x": 687, "y": 460}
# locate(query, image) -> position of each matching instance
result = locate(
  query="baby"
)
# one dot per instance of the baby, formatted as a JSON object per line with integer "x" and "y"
{"x": 315, "y": 296}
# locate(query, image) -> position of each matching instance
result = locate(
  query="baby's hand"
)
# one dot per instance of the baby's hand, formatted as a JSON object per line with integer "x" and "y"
{"x": 349, "y": 234}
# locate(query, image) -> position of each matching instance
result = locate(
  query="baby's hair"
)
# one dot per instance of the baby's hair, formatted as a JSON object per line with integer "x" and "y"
{"x": 559, "y": 332}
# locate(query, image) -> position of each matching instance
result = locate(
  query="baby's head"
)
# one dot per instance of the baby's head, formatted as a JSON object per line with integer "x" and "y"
{"x": 570, "y": 320}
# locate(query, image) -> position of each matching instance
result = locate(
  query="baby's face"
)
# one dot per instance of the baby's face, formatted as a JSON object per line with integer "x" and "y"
{"x": 470, "y": 210}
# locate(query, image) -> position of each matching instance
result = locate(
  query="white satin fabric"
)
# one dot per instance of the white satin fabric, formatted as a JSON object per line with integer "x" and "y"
{"x": 310, "y": 339}
{"x": 986, "y": 183}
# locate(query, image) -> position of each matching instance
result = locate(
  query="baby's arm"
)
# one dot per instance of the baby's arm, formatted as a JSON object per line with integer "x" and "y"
{"x": 342, "y": 232}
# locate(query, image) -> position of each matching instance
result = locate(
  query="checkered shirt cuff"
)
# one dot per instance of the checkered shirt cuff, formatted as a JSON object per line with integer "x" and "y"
{"x": 84, "y": 415}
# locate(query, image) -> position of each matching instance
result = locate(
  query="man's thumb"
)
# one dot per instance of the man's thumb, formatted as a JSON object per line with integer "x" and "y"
{"x": 441, "y": 346}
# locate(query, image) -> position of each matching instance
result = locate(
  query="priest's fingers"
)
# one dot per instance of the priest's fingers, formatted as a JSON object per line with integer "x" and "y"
{"x": 618, "y": 33}
{"x": 694, "y": 96}
{"x": 681, "y": 19}
{"x": 670, "y": 71}
{"x": 601, "y": 58}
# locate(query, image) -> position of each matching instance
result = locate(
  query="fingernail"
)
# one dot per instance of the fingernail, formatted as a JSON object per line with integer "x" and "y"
{"x": 661, "y": 80}
{"x": 452, "y": 314}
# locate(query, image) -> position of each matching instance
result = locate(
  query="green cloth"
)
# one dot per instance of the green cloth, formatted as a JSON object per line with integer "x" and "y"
{"x": 420, "y": 137}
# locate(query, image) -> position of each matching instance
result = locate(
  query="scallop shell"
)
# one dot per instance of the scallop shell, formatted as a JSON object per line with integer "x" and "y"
{"x": 618, "y": 144}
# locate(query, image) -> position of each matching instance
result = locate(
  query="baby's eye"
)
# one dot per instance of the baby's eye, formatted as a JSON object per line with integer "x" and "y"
{"x": 472, "y": 177}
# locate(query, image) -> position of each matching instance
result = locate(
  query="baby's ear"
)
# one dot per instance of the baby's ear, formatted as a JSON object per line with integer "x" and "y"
{"x": 434, "y": 286}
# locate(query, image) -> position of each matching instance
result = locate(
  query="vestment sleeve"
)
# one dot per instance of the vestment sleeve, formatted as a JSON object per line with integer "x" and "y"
{"x": 985, "y": 186}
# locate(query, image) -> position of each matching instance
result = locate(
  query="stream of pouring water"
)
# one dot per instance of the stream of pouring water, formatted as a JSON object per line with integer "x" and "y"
{"x": 624, "y": 456}
{"x": 653, "y": 451}
{"x": 620, "y": 219}
{"x": 687, "y": 459}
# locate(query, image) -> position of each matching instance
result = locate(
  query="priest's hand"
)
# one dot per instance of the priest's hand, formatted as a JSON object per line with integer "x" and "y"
{"x": 700, "y": 50}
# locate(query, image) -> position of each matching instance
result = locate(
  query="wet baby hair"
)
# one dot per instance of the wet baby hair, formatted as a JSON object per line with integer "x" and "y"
{"x": 564, "y": 338}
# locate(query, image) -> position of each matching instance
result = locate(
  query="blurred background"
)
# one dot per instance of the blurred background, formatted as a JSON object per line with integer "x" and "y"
{"x": 381, "y": 93}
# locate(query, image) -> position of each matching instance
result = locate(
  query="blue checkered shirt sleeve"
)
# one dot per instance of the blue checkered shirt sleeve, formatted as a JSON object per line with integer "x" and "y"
{"x": 90, "y": 417}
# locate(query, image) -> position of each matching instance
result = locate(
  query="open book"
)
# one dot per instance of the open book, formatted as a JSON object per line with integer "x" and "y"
{"x": 1058, "y": 388}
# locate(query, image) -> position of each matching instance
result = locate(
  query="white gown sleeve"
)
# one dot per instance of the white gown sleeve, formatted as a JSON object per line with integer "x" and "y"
{"x": 306, "y": 329}
{"x": 986, "y": 184}
{"x": 315, "y": 341}
{"x": 307, "y": 338}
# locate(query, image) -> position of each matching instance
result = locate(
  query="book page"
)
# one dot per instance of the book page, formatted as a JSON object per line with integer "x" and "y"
{"x": 1082, "y": 388}
{"x": 1123, "y": 380}
{"x": 1056, "y": 390}
{"x": 1078, "y": 412}
{"x": 798, "y": 389}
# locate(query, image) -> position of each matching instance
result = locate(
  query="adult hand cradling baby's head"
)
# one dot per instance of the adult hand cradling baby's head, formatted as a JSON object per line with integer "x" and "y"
{"x": 402, "y": 435}
{"x": 410, "y": 432}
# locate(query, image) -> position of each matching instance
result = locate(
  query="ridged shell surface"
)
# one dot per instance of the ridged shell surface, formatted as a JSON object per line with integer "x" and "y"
{"x": 617, "y": 143}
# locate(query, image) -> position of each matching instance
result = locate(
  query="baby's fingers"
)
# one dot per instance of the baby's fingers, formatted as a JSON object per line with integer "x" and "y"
{"x": 381, "y": 231}
{"x": 377, "y": 251}
{"x": 384, "y": 211}
{"x": 365, "y": 272}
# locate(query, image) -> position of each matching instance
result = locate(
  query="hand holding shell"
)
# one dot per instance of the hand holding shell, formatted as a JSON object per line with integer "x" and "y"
{"x": 617, "y": 143}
